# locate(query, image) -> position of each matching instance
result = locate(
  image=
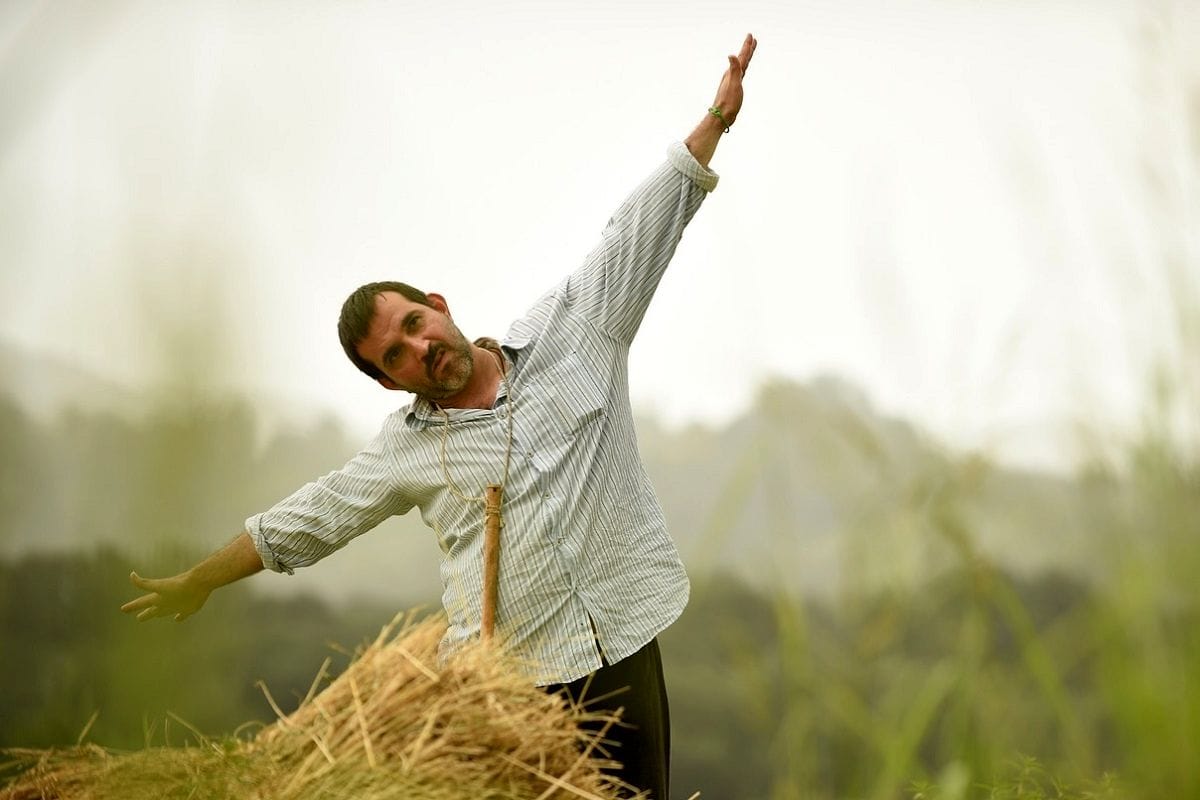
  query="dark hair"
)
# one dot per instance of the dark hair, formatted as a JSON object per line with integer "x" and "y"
{"x": 359, "y": 310}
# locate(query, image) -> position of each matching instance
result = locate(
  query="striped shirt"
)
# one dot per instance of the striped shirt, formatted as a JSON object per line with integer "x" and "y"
{"x": 587, "y": 567}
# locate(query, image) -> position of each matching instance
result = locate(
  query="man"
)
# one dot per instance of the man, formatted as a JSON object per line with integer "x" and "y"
{"x": 588, "y": 574}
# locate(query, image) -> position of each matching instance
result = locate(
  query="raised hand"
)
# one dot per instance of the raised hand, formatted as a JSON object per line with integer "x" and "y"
{"x": 729, "y": 93}
{"x": 702, "y": 142}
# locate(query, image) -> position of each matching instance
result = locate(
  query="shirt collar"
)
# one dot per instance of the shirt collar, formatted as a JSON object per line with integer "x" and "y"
{"x": 423, "y": 413}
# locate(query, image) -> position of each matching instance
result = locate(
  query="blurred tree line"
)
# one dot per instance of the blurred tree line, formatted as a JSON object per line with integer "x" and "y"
{"x": 945, "y": 677}
{"x": 151, "y": 483}
{"x": 770, "y": 697}
{"x": 69, "y": 652}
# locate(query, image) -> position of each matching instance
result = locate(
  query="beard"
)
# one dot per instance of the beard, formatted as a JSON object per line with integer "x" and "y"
{"x": 448, "y": 366}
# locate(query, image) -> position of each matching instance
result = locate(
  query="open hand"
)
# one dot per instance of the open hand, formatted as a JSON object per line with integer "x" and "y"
{"x": 175, "y": 596}
{"x": 729, "y": 93}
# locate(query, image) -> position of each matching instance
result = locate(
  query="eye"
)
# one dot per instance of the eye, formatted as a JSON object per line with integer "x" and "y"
{"x": 414, "y": 322}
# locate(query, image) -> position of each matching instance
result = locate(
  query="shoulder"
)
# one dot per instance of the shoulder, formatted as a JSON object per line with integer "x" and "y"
{"x": 527, "y": 328}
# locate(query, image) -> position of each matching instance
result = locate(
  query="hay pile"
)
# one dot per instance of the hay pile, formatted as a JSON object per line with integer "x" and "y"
{"x": 392, "y": 725}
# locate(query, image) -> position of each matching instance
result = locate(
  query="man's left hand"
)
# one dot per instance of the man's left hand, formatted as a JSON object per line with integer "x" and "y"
{"x": 729, "y": 93}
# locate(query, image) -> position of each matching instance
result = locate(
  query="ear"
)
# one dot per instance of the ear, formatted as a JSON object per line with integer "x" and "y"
{"x": 387, "y": 383}
{"x": 438, "y": 302}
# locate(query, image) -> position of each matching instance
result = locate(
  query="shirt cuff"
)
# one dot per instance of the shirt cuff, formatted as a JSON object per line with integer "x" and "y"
{"x": 264, "y": 548}
{"x": 682, "y": 159}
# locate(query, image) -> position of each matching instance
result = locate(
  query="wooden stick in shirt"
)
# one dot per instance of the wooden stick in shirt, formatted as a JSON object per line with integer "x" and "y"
{"x": 491, "y": 560}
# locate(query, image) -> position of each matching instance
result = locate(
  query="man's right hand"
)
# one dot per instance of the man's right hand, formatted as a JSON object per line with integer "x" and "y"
{"x": 182, "y": 595}
{"x": 175, "y": 596}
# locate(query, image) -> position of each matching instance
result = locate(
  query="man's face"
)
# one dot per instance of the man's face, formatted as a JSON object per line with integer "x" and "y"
{"x": 418, "y": 348}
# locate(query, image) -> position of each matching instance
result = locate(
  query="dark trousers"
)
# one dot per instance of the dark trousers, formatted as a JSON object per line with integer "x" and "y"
{"x": 642, "y": 738}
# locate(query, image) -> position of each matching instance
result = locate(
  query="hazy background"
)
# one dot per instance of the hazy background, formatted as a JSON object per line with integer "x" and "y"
{"x": 919, "y": 391}
{"x": 946, "y": 203}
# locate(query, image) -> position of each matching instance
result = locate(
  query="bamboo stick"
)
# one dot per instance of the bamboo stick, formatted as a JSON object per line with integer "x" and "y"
{"x": 491, "y": 560}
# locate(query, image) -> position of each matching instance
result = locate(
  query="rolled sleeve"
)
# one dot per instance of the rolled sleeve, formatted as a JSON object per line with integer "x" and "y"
{"x": 614, "y": 285}
{"x": 682, "y": 159}
{"x": 269, "y": 560}
{"x": 323, "y": 516}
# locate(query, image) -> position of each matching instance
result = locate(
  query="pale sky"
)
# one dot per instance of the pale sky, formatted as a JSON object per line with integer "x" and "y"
{"x": 944, "y": 202}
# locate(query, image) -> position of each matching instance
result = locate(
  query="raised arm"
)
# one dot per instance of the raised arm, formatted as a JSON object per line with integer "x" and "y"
{"x": 703, "y": 140}
{"x": 614, "y": 285}
{"x": 182, "y": 595}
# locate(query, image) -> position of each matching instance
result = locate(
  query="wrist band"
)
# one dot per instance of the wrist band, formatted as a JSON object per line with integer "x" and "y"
{"x": 716, "y": 112}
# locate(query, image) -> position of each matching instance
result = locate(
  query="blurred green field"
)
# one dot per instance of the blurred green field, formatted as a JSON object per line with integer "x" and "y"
{"x": 976, "y": 681}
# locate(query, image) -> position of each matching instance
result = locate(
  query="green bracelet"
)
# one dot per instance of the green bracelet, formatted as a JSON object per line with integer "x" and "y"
{"x": 716, "y": 112}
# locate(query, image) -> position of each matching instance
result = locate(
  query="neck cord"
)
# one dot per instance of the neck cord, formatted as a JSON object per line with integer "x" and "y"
{"x": 500, "y": 363}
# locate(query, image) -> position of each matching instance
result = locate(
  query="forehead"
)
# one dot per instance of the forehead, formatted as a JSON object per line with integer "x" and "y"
{"x": 392, "y": 303}
{"x": 390, "y": 310}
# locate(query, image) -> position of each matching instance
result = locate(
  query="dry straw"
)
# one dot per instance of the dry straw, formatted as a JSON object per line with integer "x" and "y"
{"x": 393, "y": 725}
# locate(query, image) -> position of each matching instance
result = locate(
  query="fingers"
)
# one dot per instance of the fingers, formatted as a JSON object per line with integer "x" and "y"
{"x": 164, "y": 597}
{"x": 153, "y": 610}
{"x": 141, "y": 603}
{"x": 739, "y": 63}
{"x": 146, "y": 606}
{"x": 140, "y": 582}
{"x": 747, "y": 51}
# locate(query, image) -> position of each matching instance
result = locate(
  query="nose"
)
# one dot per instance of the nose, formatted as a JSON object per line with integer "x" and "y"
{"x": 417, "y": 347}
{"x": 424, "y": 351}
{"x": 413, "y": 351}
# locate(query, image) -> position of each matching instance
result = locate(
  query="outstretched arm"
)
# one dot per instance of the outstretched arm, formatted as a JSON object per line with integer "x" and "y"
{"x": 182, "y": 595}
{"x": 702, "y": 142}
{"x": 614, "y": 285}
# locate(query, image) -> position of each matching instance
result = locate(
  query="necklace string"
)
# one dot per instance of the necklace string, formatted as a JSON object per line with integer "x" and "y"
{"x": 450, "y": 484}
